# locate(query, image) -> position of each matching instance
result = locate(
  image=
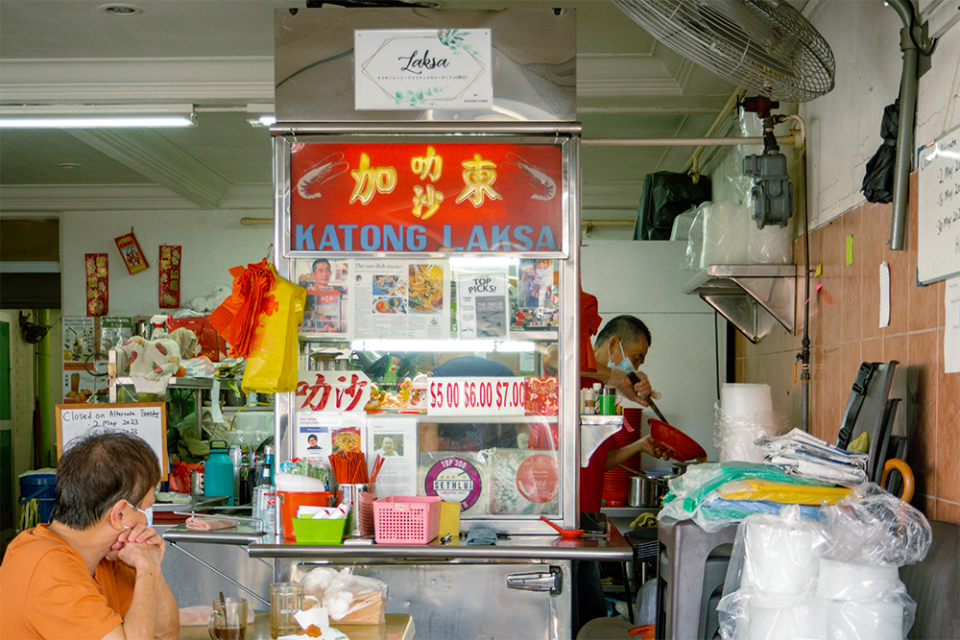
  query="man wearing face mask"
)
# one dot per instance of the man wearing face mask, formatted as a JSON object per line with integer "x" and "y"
{"x": 94, "y": 571}
{"x": 620, "y": 347}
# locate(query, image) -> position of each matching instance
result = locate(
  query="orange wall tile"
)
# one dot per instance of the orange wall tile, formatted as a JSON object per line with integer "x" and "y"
{"x": 844, "y": 331}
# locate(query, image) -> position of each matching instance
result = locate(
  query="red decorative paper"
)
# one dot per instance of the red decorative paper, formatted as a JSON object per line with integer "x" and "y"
{"x": 131, "y": 253}
{"x": 97, "y": 281}
{"x": 540, "y": 398}
{"x": 169, "y": 292}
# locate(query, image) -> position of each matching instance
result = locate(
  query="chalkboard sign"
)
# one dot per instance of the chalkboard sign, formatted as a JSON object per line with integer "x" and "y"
{"x": 938, "y": 221}
{"x": 145, "y": 419}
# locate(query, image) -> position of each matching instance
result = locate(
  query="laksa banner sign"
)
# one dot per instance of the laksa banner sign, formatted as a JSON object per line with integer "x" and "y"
{"x": 423, "y": 69}
{"x": 425, "y": 197}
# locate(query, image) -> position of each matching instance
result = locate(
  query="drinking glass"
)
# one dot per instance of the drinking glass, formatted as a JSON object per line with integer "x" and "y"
{"x": 286, "y": 599}
{"x": 228, "y": 620}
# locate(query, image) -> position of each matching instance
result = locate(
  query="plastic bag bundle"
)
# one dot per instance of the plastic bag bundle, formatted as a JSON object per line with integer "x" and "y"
{"x": 260, "y": 320}
{"x": 873, "y": 527}
{"x": 836, "y": 579}
{"x": 348, "y": 598}
{"x": 698, "y": 494}
{"x": 770, "y": 589}
{"x": 743, "y": 416}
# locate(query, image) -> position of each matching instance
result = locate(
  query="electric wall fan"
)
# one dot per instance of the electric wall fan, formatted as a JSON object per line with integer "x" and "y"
{"x": 765, "y": 46}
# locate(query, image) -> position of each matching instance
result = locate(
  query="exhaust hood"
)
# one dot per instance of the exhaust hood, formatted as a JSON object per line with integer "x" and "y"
{"x": 750, "y": 295}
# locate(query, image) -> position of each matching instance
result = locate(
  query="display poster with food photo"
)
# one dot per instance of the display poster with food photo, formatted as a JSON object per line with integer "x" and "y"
{"x": 322, "y": 434}
{"x": 328, "y": 285}
{"x": 114, "y": 331}
{"x": 393, "y": 438}
{"x": 483, "y": 302}
{"x": 78, "y": 340}
{"x": 538, "y": 301}
{"x": 401, "y": 298}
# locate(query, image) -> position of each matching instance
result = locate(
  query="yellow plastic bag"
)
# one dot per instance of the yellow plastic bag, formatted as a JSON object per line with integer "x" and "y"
{"x": 755, "y": 489}
{"x": 274, "y": 353}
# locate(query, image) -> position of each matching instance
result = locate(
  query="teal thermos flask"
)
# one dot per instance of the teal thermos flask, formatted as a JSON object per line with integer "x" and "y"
{"x": 218, "y": 472}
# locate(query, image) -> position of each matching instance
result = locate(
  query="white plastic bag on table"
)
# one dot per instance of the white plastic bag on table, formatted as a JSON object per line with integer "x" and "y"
{"x": 348, "y": 598}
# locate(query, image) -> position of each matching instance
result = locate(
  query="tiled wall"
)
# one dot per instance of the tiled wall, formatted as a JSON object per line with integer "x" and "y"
{"x": 844, "y": 331}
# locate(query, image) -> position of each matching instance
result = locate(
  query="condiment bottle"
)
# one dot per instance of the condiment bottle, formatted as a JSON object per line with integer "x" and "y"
{"x": 264, "y": 495}
{"x": 608, "y": 402}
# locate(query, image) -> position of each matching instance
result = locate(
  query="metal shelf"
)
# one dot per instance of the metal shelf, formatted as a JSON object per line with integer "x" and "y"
{"x": 749, "y": 295}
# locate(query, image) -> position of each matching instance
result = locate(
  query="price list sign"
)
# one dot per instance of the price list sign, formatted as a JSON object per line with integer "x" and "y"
{"x": 476, "y": 396}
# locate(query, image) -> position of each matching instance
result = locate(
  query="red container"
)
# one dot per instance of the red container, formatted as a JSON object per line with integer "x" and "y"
{"x": 291, "y": 501}
{"x": 616, "y": 481}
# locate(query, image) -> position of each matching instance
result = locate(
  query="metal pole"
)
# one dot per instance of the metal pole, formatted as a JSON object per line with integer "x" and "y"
{"x": 47, "y": 441}
{"x": 908, "y": 107}
{"x": 901, "y": 174}
{"x": 680, "y": 142}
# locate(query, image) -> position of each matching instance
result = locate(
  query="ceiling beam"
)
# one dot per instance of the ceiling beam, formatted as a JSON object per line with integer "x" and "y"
{"x": 147, "y": 152}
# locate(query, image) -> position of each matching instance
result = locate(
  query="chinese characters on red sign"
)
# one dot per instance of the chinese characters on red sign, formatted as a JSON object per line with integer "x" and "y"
{"x": 332, "y": 391}
{"x": 406, "y": 197}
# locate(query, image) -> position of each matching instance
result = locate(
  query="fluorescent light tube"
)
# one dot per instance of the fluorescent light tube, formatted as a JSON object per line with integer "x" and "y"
{"x": 95, "y": 116}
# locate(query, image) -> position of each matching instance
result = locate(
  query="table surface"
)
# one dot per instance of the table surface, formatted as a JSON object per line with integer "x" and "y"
{"x": 398, "y": 626}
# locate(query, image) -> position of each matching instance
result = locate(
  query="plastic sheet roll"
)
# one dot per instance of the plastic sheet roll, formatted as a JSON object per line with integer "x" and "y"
{"x": 780, "y": 557}
{"x": 865, "y": 620}
{"x": 849, "y": 581}
{"x": 797, "y": 621}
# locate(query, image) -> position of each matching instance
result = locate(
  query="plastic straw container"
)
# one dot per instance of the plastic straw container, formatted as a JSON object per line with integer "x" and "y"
{"x": 401, "y": 520}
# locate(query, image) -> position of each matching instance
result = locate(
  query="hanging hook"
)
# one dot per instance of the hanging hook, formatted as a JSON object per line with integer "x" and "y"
{"x": 694, "y": 172}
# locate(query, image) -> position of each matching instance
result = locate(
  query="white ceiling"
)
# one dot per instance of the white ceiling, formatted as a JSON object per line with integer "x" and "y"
{"x": 218, "y": 55}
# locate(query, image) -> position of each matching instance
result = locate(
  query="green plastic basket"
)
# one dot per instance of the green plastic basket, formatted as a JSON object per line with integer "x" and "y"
{"x": 318, "y": 531}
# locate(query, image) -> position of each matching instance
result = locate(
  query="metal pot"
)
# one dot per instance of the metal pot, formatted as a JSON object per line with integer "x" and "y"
{"x": 647, "y": 490}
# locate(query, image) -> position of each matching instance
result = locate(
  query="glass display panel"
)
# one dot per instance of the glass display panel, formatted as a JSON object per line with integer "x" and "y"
{"x": 444, "y": 369}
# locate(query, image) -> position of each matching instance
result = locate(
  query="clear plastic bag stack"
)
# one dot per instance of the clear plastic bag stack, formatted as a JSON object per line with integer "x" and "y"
{"x": 770, "y": 590}
{"x": 743, "y": 416}
{"x": 835, "y": 579}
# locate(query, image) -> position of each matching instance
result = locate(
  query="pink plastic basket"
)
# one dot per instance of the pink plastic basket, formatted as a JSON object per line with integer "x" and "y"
{"x": 403, "y": 520}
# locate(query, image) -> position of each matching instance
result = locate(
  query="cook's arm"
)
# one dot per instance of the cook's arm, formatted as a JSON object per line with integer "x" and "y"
{"x": 646, "y": 445}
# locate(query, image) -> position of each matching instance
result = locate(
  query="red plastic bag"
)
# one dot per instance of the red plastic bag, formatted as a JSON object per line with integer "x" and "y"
{"x": 237, "y": 317}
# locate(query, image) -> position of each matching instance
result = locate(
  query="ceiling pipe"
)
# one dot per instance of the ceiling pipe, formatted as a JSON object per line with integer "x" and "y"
{"x": 730, "y": 105}
{"x": 793, "y": 140}
{"x": 908, "y": 107}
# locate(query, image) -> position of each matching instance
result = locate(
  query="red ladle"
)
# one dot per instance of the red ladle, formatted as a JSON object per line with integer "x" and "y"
{"x": 564, "y": 533}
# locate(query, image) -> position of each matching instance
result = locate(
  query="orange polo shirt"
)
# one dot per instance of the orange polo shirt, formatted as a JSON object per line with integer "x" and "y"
{"x": 46, "y": 590}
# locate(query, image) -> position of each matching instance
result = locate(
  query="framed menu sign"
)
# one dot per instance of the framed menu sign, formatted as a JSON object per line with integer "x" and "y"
{"x": 395, "y": 198}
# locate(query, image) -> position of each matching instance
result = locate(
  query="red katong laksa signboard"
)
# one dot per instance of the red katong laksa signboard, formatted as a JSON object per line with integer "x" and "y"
{"x": 426, "y": 197}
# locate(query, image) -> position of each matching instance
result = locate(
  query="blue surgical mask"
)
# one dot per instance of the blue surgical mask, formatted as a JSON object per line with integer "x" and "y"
{"x": 625, "y": 364}
{"x": 147, "y": 513}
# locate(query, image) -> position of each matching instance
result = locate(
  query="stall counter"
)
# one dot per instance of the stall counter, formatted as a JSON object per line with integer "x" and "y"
{"x": 398, "y": 625}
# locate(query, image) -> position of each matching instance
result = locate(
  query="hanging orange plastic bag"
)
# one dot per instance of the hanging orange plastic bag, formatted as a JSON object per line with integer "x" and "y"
{"x": 274, "y": 351}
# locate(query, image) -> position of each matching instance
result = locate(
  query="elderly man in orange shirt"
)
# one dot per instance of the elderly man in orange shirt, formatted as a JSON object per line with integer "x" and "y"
{"x": 94, "y": 571}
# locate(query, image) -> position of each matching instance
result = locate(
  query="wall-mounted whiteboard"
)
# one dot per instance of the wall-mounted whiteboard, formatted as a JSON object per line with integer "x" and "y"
{"x": 938, "y": 211}
{"x": 145, "y": 419}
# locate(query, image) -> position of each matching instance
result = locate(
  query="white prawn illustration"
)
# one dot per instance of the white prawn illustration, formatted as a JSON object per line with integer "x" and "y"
{"x": 545, "y": 188}
{"x": 324, "y": 171}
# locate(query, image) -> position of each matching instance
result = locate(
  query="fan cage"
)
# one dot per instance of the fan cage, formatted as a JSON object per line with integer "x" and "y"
{"x": 764, "y": 47}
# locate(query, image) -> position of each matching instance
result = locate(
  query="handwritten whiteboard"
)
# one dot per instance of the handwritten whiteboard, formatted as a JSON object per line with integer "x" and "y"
{"x": 145, "y": 419}
{"x": 938, "y": 221}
